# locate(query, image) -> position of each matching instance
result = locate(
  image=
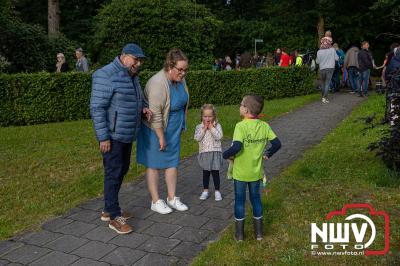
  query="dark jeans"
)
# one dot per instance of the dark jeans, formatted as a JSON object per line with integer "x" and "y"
{"x": 240, "y": 198}
{"x": 116, "y": 165}
{"x": 326, "y": 76}
{"x": 354, "y": 77}
{"x": 335, "y": 81}
{"x": 206, "y": 178}
{"x": 364, "y": 82}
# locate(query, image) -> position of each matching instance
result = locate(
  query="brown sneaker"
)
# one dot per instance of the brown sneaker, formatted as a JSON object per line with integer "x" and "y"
{"x": 105, "y": 216}
{"x": 120, "y": 226}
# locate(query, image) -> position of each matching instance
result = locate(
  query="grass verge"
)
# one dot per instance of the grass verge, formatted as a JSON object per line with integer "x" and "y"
{"x": 48, "y": 169}
{"x": 336, "y": 172}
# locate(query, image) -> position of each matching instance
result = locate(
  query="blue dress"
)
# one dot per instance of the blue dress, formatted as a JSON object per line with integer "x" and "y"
{"x": 148, "y": 147}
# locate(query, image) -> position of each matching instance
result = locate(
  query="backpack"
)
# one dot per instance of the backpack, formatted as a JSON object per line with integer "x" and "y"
{"x": 341, "y": 56}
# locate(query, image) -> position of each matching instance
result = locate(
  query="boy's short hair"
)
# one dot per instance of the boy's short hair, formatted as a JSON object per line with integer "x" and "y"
{"x": 253, "y": 102}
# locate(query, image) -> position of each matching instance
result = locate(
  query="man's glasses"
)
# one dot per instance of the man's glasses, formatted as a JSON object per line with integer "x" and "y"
{"x": 136, "y": 59}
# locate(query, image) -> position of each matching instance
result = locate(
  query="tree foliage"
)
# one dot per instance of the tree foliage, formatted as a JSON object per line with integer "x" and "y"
{"x": 156, "y": 26}
{"x": 27, "y": 47}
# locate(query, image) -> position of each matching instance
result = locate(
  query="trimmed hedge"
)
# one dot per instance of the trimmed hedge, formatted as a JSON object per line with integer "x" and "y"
{"x": 44, "y": 97}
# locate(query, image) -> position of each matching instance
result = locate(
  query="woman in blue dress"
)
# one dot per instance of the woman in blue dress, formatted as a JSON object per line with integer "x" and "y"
{"x": 158, "y": 144}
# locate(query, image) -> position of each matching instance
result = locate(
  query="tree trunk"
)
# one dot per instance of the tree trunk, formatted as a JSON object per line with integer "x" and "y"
{"x": 320, "y": 29}
{"x": 53, "y": 18}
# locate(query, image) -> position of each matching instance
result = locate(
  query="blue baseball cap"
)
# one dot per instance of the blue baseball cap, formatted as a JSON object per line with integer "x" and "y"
{"x": 133, "y": 49}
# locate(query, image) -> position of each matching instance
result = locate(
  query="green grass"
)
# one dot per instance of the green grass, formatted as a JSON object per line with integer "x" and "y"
{"x": 338, "y": 171}
{"x": 47, "y": 169}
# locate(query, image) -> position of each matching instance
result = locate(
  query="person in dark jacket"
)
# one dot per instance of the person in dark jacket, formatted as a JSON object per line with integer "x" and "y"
{"x": 394, "y": 64}
{"x": 365, "y": 64}
{"x": 116, "y": 107}
{"x": 351, "y": 65}
{"x": 61, "y": 65}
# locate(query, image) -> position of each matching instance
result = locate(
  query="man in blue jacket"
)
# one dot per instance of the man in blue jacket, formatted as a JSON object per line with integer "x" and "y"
{"x": 116, "y": 108}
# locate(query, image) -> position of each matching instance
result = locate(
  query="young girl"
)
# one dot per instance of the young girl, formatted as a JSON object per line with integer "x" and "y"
{"x": 209, "y": 135}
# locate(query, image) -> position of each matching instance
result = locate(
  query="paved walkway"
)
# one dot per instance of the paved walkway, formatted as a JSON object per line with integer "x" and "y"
{"x": 80, "y": 238}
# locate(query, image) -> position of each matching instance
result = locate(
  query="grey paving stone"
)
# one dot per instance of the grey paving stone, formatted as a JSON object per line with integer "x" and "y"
{"x": 191, "y": 235}
{"x": 85, "y": 215}
{"x": 132, "y": 240}
{"x": 76, "y": 228}
{"x": 94, "y": 205}
{"x": 159, "y": 245}
{"x": 190, "y": 220}
{"x": 103, "y": 234}
{"x": 162, "y": 229}
{"x": 137, "y": 201}
{"x": 196, "y": 210}
{"x": 140, "y": 225}
{"x": 4, "y": 262}
{"x": 139, "y": 212}
{"x": 55, "y": 258}
{"x": 67, "y": 243}
{"x": 56, "y": 223}
{"x": 152, "y": 259}
{"x": 89, "y": 262}
{"x": 7, "y": 246}
{"x": 186, "y": 250}
{"x": 129, "y": 188}
{"x": 94, "y": 250}
{"x": 166, "y": 218}
{"x": 219, "y": 213}
{"x": 15, "y": 264}
{"x": 123, "y": 256}
{"x": 216, "y": 225}
{"x": 39, "y": 238}
{"x": 192, "y": 200}
{"x": 26, "y": 254}
{"x": 72, "y": 211}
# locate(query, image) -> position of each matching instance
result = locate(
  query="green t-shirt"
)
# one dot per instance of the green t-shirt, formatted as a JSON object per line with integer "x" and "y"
{"x": 254, "y": 134}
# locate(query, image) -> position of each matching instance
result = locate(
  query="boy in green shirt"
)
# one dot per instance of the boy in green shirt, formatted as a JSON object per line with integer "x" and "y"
{"x": 250, "y": 138}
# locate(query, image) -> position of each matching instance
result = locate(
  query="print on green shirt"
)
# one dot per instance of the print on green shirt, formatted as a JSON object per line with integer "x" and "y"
{"x": 254, "y": 134}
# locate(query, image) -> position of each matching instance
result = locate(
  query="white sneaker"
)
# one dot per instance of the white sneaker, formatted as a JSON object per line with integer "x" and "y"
{"x": 177, "y": 204}
{"x": 161, "y": 207}
{"x": 218, "y": 196}
{"x": 204, "y": 195}
{"x": 326, "y": 100}
{"x": 323, "y": 100}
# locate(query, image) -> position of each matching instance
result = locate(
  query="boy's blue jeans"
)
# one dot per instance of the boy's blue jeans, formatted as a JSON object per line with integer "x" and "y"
{"x": 116, "y": 165}
{"x": 240, "y": 198}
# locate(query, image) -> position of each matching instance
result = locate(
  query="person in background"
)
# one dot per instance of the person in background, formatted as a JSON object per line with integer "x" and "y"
{"x": 366, "y": 64}
{"x": 285, "y": 59}
{"x": 298, "y": 58}
{"x": 216, "y": 66}
{"x": 237, "y": 61}
{"x": 228, "y": 63}
{"x": 326, "y": 41}
{"x": 82, "y": 64}
{"x": 277, "y": 56}
{"x": 335, "y": 81}
{"x": 326, "y": 60}
{"x": 351, "y": 64}
{"x": 61, "y": 65}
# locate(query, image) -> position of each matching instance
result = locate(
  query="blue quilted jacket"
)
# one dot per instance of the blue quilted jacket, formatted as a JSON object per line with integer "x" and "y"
{"x": 116, "y": 103}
